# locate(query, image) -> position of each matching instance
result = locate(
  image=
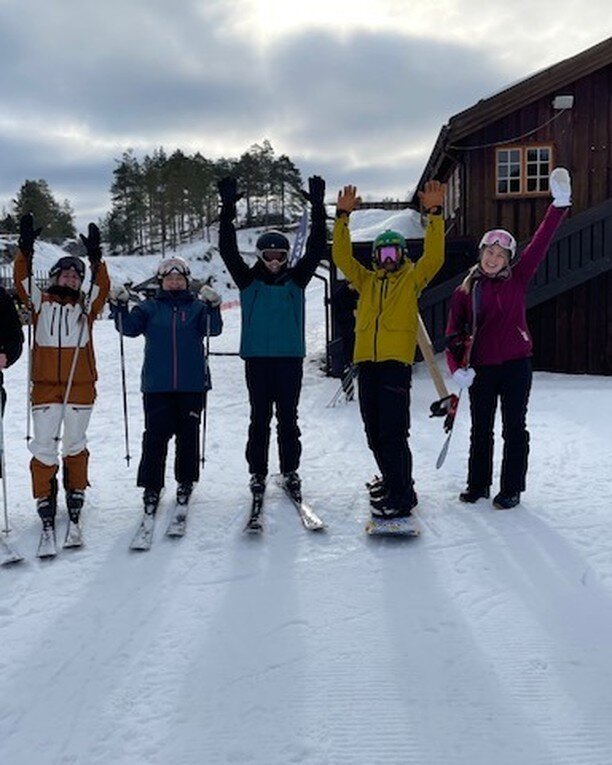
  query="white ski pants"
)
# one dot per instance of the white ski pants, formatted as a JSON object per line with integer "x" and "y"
{"x": 46, "y": 419}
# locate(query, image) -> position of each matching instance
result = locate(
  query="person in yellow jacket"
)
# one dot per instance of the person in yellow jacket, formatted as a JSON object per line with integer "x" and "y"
{"x": 63, "y": 316}
{"x": 385, "y": 339}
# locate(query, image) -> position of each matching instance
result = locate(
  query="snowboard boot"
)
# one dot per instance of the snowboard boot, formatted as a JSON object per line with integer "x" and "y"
{"x": 257, "y": 484}
{"x": 150, "y": 499}
{"x": 183, "y": 492}
{"x": 503, "y": 501}
{"x": 293, "y": 484}
{"x": 75, "y": 499}
{"x": 377, "y": 490}
{"x": 473, "y": 495}
{"x": 387, "y": 510}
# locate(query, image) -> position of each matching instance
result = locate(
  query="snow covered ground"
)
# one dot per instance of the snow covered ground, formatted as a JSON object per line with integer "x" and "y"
{"x": 485, "y": 641}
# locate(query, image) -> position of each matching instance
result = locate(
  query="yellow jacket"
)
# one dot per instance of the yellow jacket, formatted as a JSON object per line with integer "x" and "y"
{"x": 387, "y": 310}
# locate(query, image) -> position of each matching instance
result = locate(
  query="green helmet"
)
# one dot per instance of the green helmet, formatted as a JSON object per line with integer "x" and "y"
{"x": 389, "y": 238}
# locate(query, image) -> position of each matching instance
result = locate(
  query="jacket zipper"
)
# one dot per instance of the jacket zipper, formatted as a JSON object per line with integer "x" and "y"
{"x": 174, "y": 355}
{"x": 383, "y": 285}
{"x": 59, "y": 345}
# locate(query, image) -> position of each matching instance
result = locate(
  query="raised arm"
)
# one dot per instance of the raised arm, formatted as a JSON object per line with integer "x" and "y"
{"x": 428, "y": 265}
{"x": 317, "y": 240}
{"x": 101, "y": 284}
{"x": 535, "y": 252}
{"x": 342, "y": 249}
{"x": 228, "y": 246}
{"x": 12, "y": 342}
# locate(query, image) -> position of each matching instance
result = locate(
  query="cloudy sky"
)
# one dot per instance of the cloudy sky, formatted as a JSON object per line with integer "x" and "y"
{"x": 356, "y": 91}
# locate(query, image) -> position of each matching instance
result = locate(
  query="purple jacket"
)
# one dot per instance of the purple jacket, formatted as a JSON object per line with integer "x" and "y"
{"x": 501, "y": 327}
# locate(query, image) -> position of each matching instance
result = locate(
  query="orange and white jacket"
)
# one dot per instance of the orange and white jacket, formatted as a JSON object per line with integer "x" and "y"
{"x": 57, "y": 325}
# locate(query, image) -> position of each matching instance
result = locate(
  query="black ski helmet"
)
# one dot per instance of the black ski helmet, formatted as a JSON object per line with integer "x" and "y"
{"x": 273, "y": 240}
{"x": 65, "y": 264}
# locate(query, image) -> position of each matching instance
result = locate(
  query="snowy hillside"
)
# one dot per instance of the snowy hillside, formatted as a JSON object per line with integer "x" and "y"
{"x": 484, "y": 641}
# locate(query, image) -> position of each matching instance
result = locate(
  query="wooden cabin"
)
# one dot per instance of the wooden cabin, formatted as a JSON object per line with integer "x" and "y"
{"x": 495, "y": 158}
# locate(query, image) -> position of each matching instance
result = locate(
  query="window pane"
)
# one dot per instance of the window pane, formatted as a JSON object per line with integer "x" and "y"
{"x": 515, "y": 171}
{"x": 502, "y": 171}
{"x": 544, "y": 154}
{"x": 532, "y": 184}
{"x": 502, "y": 156}
{"x": 532, "y": 155}
{"x": 544, "y": 168}
{"x": 515, "y": 155}
{"x": 543, "y": 184}
{"x": 532, "y": 168}
{"x": 502, "y": 187}
{"x": 515, "y": 185}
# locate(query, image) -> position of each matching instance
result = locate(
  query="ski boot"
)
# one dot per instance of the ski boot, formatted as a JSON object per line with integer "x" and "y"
{"x": 505, "y": 501}
{"x": 75, "y": 499}
{"x": 292, "y": 484}
{"x": 150, "y": 499}
{"x": 473, "y": 495}
{"x": 183, "y": 492}
{"x": 46, "y": 508}
{"x": 257, "y": 484}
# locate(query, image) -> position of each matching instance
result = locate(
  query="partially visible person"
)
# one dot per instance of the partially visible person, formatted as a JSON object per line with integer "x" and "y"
{"x": 11, "y": 337}
{"x": 175, "y": 374}
{"x": 488, "y": 310}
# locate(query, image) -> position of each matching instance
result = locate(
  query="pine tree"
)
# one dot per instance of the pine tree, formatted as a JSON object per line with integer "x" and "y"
{"x": 56, "y": 219}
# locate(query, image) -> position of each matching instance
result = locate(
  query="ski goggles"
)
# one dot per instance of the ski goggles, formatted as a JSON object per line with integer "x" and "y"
{"x": 68, "y": 263}
{"x": 271, "y": 255}
{"x": 388, "y": 253}
{"x": 173, "y": 266}
{"x": 502, "y": 238}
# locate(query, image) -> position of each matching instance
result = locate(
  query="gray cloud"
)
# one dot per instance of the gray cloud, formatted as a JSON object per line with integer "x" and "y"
{"x": 83, "y": 82}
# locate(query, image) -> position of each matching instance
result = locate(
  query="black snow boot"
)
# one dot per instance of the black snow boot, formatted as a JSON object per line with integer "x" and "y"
{"x": 473, "y": 495}
{"x": 150, "y": 499}
{"x": 293, "y": 484}
{"x": 75, "y": 499}
{"x": 377, "y": 490}
{"x": 46, "y": 508}
{"x": 257, "y": 484}
{"x": 183, "y": 493}
{"x": 506, "y": 501}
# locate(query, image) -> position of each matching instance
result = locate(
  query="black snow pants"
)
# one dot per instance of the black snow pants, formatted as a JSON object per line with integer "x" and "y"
{"x": 509, "y": 382}
{"x": 384, "y": 401}
{"x": 274, "y": 382}
{"x": 167, "y": 415}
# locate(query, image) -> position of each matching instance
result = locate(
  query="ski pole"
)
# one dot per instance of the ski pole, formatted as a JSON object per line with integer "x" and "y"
{"x": 3, "y": 461}
{"x": 124, "y": 390}
{"x": 29, "y": 377}
{"x": 205, "y": 398}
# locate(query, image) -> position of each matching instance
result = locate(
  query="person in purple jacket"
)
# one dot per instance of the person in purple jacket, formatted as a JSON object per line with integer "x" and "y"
{"x": 489, "y": 348}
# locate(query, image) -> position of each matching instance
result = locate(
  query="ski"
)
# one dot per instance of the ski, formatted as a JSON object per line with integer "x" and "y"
{"x": 310, "y": 520}
{"x": 8, "y": 554}
{"x": 177, "y": 523}
{"x": 47, "y": 546}
{"x": 143, "y": 538}
{"x": 402, "y": 527}
{"x": 254, "y": 523}
{"x": 74, "y": 537}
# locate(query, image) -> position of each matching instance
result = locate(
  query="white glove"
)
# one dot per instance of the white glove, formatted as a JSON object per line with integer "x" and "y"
{"x": 464, "y": 377}
{"x": 560, "y": 187}
{"x": 119, "y": 294}
{"x": 210, "y": 295}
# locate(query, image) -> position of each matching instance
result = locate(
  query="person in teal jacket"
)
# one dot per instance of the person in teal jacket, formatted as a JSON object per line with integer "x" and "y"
{"x": 272, "y": 338}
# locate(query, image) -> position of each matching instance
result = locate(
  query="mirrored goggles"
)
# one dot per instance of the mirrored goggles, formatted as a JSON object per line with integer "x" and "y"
{"x": 69, "y": 263}
{"x": 388, "y": 253}
{"x": 499, "y": 236}
{"x": 271, "y": 255}
{"x": 173, "y": 267}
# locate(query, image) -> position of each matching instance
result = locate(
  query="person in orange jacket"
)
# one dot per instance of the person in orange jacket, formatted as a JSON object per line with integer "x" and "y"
{"x": 62, "y": 316}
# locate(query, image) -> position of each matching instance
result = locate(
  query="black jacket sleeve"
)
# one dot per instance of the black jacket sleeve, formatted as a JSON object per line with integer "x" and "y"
{"x": 315, "y": 248}
{"x": 11, "y": 334}
{"x": 228, "y": 249}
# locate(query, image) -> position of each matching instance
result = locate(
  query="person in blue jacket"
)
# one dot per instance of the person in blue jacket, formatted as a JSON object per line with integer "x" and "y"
{"x": 272, "y": 340}
{"x": 175, "y": 373}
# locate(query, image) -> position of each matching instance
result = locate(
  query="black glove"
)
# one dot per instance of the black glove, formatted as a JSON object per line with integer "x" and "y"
{"x": 92, "y": 244}
{"x": 27, "y": 235}
{"x": 316, "y": 191}
{"x": 228, "y": 191}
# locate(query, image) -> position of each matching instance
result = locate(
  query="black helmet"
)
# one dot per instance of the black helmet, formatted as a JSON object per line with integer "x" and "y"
{"x": 65, "y": 264}
{"x": 273, "y": 240}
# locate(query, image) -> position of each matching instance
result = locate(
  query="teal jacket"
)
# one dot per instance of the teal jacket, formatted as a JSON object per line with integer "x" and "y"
{"x": 272, "y": 304}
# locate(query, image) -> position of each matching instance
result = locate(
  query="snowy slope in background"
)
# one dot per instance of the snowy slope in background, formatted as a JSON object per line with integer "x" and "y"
{"x": 484, "y": 641}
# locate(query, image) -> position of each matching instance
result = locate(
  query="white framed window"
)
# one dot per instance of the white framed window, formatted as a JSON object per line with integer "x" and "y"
{"x": 452, "y": 197}
{"x": 522, "y": 170}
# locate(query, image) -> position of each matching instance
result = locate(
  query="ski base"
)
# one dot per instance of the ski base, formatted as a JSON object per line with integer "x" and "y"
{"x": 143, "y": 538}
{"x": 254, "y": 523}
{"x": 74, "y": 536}
{"x": 8, "y": 554}
{"x": 392, "y": 527}
{"x": 177, "y": 524}
{"x": 47, "y": 545}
